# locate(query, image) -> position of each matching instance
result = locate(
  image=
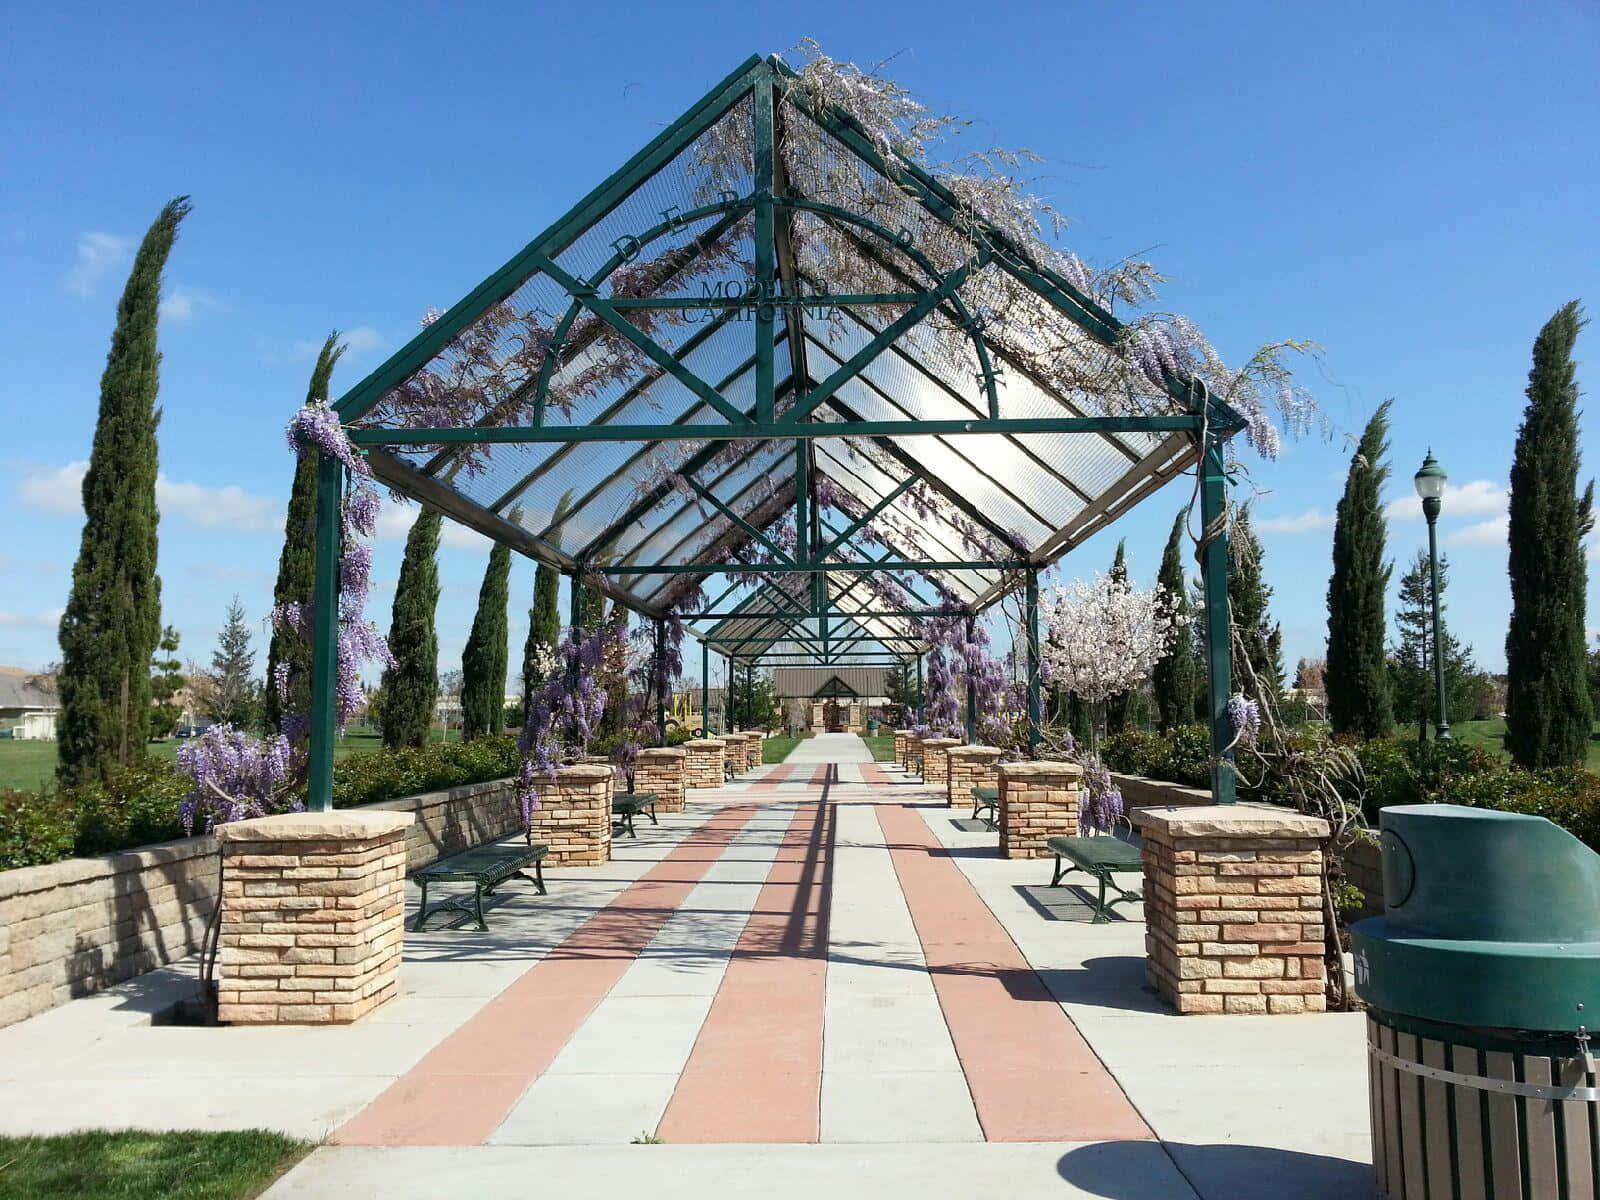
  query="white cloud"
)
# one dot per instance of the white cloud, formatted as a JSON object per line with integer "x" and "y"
{"x": 60, "y": 490}
{"x": 396, "y": 518}
{"x": 98, "y": 255}
{"x": 183, "y": 304}
{"x": 363, "y": 339}
{"x": 1475, "y": 498}
{"x": 1307, "y": 522}
{"x": 1483, "y": 533}
{"x": 49, "y": 618}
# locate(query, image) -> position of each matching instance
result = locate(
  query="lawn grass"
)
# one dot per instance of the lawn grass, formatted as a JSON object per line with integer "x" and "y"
{"x": 31, "y": 765}
{"x": 776, "y": 749}
{"x": 1490, "y": 735}
{"x": 131, "y": 1165}
{"x": 882, "y": 747}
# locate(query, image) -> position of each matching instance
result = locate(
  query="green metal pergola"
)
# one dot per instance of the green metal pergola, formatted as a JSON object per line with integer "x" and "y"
{"x": 750, "y": 382}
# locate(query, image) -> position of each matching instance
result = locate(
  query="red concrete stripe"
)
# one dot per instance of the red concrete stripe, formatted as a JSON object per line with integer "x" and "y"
{"x": 755, "y": 1074}
{"x": 463, "y": 1088}
{"x": 777, "y": 775}
{"x": 874, "y": 774}
{"x": 1033, "y": 1077}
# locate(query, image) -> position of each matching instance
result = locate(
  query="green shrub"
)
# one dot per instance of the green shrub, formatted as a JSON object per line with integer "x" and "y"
{"x": 35, "y": 828}
{"x": 137, "y": 805}
{"x": 1568, "y": 796}
{"x": 369, "y": 778}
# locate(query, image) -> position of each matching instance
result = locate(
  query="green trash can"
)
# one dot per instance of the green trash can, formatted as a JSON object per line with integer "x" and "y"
{"x": 1482, "y": 981}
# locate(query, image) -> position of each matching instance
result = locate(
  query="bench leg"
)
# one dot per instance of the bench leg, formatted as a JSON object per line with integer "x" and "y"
{"x": 538, "y": 877}
{"x": 653, "y": 820}
{"x": 1101, "y": 912}
{"x": 477, "y": 907}
{"x": 1055, "y": 880}
{"x": 422, "y": 908}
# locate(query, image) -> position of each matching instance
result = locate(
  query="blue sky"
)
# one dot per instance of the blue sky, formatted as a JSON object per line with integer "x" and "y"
{"x": 1409, "y": 185}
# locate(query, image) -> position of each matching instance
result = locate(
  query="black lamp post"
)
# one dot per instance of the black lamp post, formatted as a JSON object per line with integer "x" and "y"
{"x": 1430, "y": 481}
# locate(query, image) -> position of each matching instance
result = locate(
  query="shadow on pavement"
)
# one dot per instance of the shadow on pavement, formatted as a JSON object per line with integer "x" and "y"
{"x": 1123, "y": 1171}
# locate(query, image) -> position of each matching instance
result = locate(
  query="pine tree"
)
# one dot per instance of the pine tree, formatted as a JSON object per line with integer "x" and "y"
{"x": 1117, "y": 706}
{"x": 484, "y": 662}
{"x": 411, "y": 686}
{"x": 544, "y": 629}
{"x": 232, "y": 696}
{"x": 112, "y": 622}
{"x": 1173, "y": 679}
{"x": 166, "y": 679}
{"x": 1359, "y": 700}
{"x": 1258, "y": 673}
{"x": 1416, "y": 694}
{"x": 297, "y": 564}
{"x": 1548, "y": 712}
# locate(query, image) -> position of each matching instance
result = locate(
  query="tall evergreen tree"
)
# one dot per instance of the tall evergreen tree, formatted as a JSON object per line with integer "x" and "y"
{"x": 1173, "y": 679}
{"x": 1117, "y": 706}
{"x": 1359, "y": 699}
{"x": 411, "y": 686}
{"x": 484, "y": 662}
{"x": 166, "y": 679}
{"x": 112, "y": 622}
{"x": 544, "y": 629}
{"x": 1416, "y": 695}
{"x": 613, "y": 677}
{"x": 1258, "y": 673}
{"x": 232, "y": 694}
{"x": 1548, "y": 712}
{"x": 297, "y": 564}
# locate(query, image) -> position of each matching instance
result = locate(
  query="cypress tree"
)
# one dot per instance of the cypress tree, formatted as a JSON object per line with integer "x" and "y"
{"x": 112, "y": 622}
{"x": 1173, "y": 679}
{"x": 1360, "y": 699}
{"x": 411, "y": 686}
{"x": 544, "y": 629}
{"x": 1548, "y": 711}
{"x": 1258, "y": 673}
{"x": 484, "y": 662}
{"x": 1117, "y": 706}
{"x": 297, "y": 564}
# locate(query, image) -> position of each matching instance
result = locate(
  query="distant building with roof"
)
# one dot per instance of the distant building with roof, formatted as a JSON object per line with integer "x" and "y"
{"x": 28, "y": 710}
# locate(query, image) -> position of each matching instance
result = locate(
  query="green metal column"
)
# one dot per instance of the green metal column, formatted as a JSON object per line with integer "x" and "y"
{"x": 905, "y": 694}
{"x": 972, "y": 697}
{"x": 1213, "y": 555}
{"x": 577, "y": 598}
{"x": 705, "y": 687}
{"x": 922, "y": 696}
{"x": 766, "y": 250}
{"x": 1030, "y": 620}
{"x": 661, "y": 682}
{"x": 325, "y": 636}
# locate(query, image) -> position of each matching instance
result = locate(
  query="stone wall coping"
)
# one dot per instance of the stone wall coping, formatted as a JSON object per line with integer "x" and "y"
{"x": 662, "y": 752}
{"x": 940, "y": 742}
{"x": 1039, "y": 768}
{"x": 1230, "y": 820}
{"x": 340, "y": 823}
{"x": 706, "y": 743}
{"x": 976, "y": 751}
{"x": 21, "y": 880}
{"x": 583, "y": 771}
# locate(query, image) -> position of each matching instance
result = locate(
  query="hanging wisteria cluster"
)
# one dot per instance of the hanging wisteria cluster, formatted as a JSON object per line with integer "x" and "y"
{"x": 235, "y": 777}
{"x": 943, "y": 707}
{"x": 563, "y": 710}
{"x": 1244, "y": 715}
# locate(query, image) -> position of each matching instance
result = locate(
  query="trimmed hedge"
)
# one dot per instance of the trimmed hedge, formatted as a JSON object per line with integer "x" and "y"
{"x": 1395, "y": 771}
{"x": 139, "y": 804}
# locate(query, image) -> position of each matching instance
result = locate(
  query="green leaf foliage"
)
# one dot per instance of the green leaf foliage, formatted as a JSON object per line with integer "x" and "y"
{"x": 485, "y": 660}
{"x": 411, "y": 687}
{"x": 1357, "y": 679}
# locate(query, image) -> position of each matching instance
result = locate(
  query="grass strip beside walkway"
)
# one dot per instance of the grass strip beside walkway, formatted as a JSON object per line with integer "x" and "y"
{"x": 131, "y": 1165}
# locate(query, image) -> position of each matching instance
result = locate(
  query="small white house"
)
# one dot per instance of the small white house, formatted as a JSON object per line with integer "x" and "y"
{"x": 27, "y": 709}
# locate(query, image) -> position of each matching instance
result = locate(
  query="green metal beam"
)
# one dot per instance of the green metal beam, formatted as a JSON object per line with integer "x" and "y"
{"x": 989, "y": 564}
{"x": 661, "y": 150}
{"x": 865, "y": 518}
{"x": 722, "y": 508}
{"x": 1168, "y": 423}
{"x": 751, "y": 301}
{"x": 1218, "y": 636}
{"x": 325, "y": 637}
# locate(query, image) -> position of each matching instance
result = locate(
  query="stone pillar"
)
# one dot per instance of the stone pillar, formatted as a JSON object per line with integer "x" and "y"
{"x": 1038, "y": 800}
{"x": 749, "y": 749}
{"x": 704, "y": 762}
{"x": 900, "y": 738}
{"x": 970, "y": 767}
{"x": 733, "y": 749}
{"x": 913, "y": 749}
{"x": 935, "y": 761}
{"x": 664, "y": 771}
{"x": 313, "y": 916}
{"x": 1233, "y": 908}
{"x": 574, "y": 816}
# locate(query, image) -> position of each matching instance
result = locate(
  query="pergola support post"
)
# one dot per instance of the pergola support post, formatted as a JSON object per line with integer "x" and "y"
{"x": 577, "y": 599}
{"x": 325, "y": 636}
{"x": 972, "y": 695}
{"x": 1214, "y": 578}
{"x": 705, "y": 689}
{"x": 661, "y": 682}
{"x": 1030, "y": 622}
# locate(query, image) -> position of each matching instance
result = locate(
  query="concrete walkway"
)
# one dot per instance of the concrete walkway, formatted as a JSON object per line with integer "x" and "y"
{"x": 813, "y": 980}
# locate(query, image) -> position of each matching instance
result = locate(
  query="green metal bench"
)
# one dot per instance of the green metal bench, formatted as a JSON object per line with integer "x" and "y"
{"x": 628, "y": 805}
{"x": 986, "y": 805}
{"x": 486, "y": 868}
{"x": 1100, "y": 857}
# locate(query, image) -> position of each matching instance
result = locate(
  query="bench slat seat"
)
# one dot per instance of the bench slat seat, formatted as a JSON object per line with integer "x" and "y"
{"x": 986, "y": 805}
{"x": 486, "y": 868}
{"x": 1100, "y": 857}
{"x": 628, "y": 805}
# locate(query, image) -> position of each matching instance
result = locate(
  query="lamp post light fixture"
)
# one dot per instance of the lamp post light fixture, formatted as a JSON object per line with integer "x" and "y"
{"x": 1430, "y": 481}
